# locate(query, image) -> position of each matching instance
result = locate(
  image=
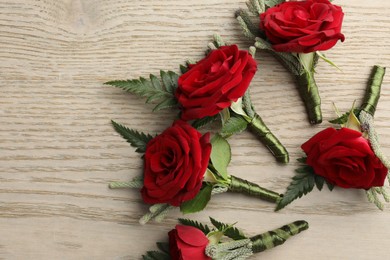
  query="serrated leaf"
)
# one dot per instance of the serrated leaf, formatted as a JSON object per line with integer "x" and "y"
{"x": 167, "y": 103}
{"x": 155, "y": 255}
{"x": 220, "y": 155}
{"x": 198, "y": 123}
{"x": 135, "y": 138}
{"x": 155, "y": 81}
{"x": 330, "y": 185}
{"x": 290, "y": 61}
{"x": 163, "y": 247}
{"x": 152, "y": 89}
{"x": 202, "y": 227}
{"x": 228, "y": 230}
{"x": 183, "y": 69}
{"x": 302, "y": 159}
{"x": 302, "y": 183}
{"x": 199, "y": 202}
{"x": 271, "y": 3}
{"x": 169, "y": 85}
{"x": 319, "y": 180}
{"x": 233, "y": 125}
{"x": 341, "y": 120}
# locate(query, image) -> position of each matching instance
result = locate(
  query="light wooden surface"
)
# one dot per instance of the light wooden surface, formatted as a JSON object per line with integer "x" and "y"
{"x": 58, "y": 150}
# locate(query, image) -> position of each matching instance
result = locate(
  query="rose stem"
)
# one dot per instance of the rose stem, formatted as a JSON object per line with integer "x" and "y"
{"x": 308, "y": 91}
{"x": 278, "y": 236}
{"x": 373, "y": 90}
{"x": 243, "y": 186}
{"x": 258, "y": 127}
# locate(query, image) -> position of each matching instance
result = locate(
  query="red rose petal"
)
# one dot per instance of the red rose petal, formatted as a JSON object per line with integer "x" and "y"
{"x": 191, "y": 235}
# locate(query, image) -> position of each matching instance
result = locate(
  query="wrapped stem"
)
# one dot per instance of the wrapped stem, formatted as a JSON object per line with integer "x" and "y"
{"x": 252, "y": 189}
{"x": 258, "y": 127}
{"x": 373, "y": 90}
{"x": 308, "y": 91}
{"x": 278, "y": 236}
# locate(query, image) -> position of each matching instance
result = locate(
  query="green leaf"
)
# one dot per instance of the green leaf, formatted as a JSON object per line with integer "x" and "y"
{"x": 319, "y": 180}
{"x": 233, "y": 125}
{"x": 183, "y": 69}
{"x": 155, "y": 255}
{"x": 152, "y": 89}
{"x": 199, "y": 202}
{"x": 290, "y": 61}
{"x": 135, "y": 138}
{"x": 341, "y": 120}
{"x": 167, "y": 103}
{"x": 220, "y": 155}
{"x": 198, "y": 123}
{"x": 228, "y": 230}
{"x": 302, "y": 159}
{"x": 322, "y": 56}
{"x": 188, "y": 222}
{"x": 237, "y": 107}
{"x": 271, "y": 3}
{"x": 163, "y": 247}
{"x": 302, "y": 183}
{"x": 353, "y": 122}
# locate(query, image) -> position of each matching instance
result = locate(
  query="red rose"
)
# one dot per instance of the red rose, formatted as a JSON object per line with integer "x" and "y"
{"x": 187, "y": 243}
{"x": 303, "y": 26}
{"x": 214, "y": 82}
{"x": 174, "y": 164}
{"x": 344, "y": 158}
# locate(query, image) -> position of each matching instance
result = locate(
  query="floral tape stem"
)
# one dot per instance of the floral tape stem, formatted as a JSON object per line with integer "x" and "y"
{"x": 278, "y": 236}
{"x": 252, "y": 189}
{"x": 373, "y": 90}
{"x": 308, "y": 91}
{"x": 258, "y": 127}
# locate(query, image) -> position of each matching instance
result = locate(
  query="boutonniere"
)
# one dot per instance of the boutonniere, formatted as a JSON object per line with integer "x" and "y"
{"x": 194, "y": 240}
{"x": 295, "y": 32}
{"x": 346, "y": 157}
{"x": 183, "y": 168}
{"x": 216, "y": 86}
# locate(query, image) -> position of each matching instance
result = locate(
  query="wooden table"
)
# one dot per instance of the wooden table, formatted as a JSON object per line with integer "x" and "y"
{"x": 58, "y": 150}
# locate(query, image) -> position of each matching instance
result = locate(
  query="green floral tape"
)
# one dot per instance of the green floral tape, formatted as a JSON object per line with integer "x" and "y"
{"x": 308, "y": 91}
{"x": 252, "y": 189}
{"x": 265, "y": 135}
{"x": 278, "y": 236}
{"x": 373, "y": 90}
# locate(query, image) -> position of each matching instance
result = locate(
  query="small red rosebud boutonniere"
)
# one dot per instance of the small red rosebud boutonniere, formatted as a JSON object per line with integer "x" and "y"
{"x": 183, "y": 168}
{"x": 193, "y": 240}
{"x": 215, "y": 87}
{"x": 295, "y": 32}
{"x": 346, "y": 157}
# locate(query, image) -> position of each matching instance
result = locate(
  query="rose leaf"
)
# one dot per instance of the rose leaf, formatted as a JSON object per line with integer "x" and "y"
{"x": 220, "y": 155}
{"x": 233, "y": 125}
{"x": 199, "y": 202}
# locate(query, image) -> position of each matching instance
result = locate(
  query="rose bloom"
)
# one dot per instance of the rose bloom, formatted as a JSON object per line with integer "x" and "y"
{"x": 344, "y": 158}
{"x": 174, "y": 164}
{"x": 303, "y": 26}
{"x": 187, "y": 243}
{"x": 214, "y": 82}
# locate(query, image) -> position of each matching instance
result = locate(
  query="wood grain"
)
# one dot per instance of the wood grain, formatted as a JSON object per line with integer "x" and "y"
{"x": 58, "y": 150}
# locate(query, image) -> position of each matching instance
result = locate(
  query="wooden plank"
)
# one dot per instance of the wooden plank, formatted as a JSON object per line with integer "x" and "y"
{"x": 58, "y": 150}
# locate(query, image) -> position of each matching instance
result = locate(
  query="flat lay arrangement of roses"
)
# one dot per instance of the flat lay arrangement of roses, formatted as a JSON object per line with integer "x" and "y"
{"x": 185, "y": 165}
